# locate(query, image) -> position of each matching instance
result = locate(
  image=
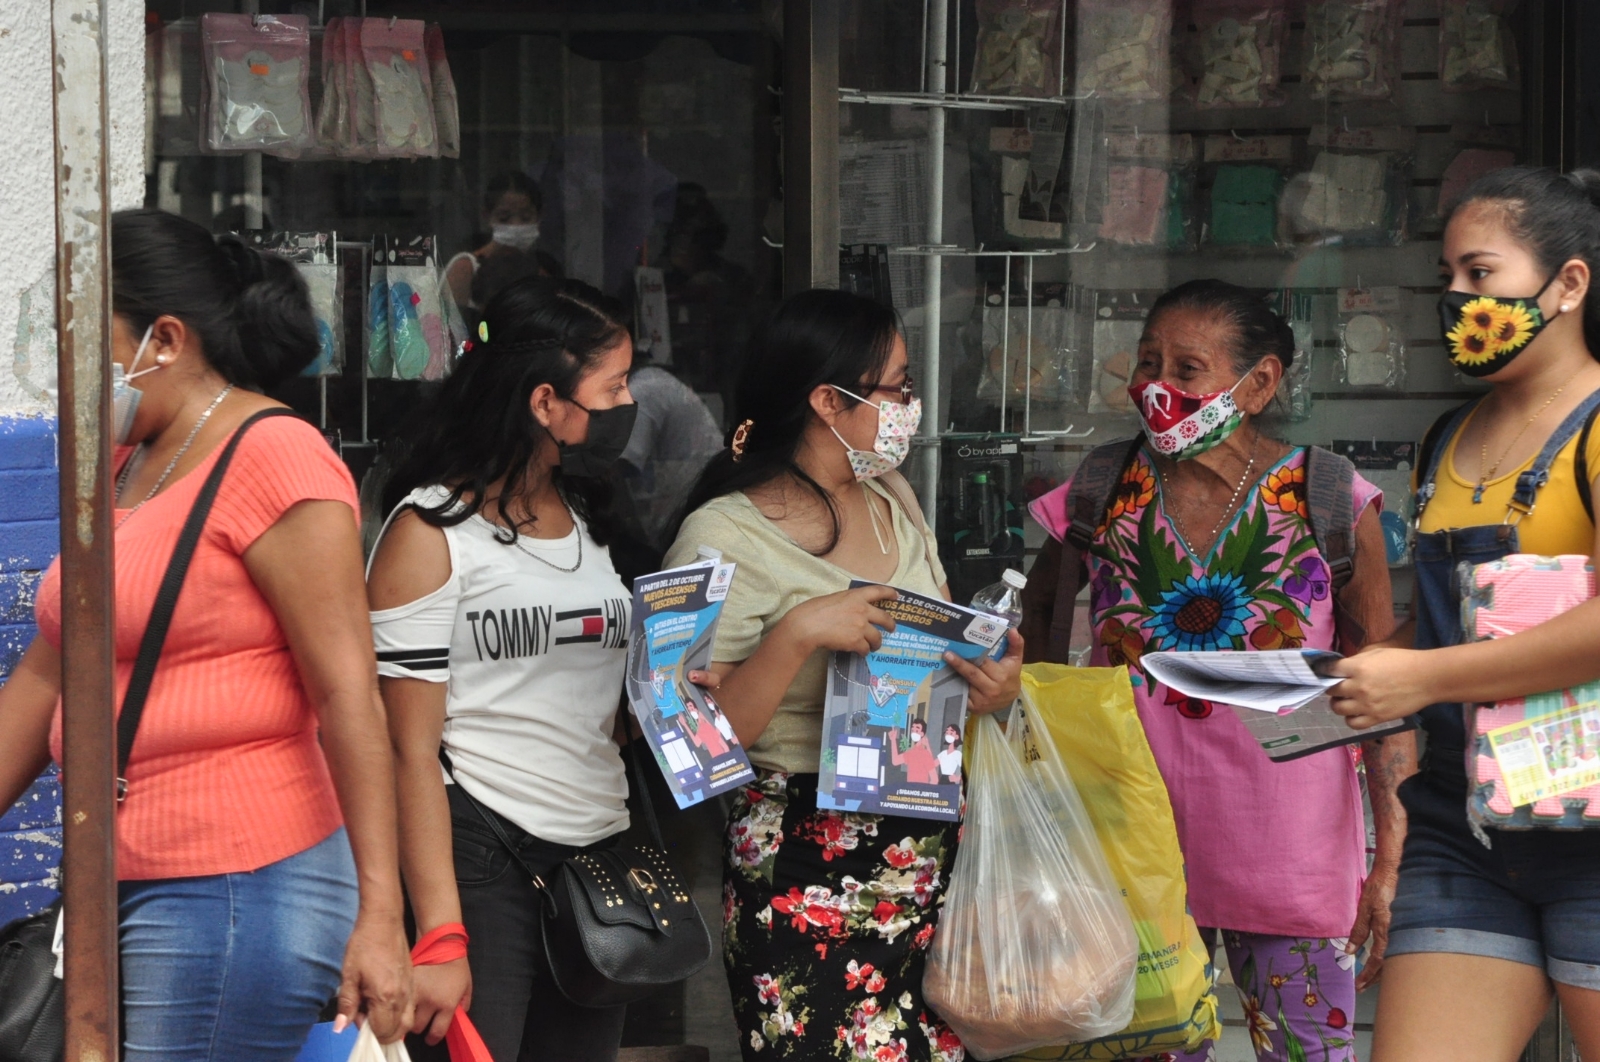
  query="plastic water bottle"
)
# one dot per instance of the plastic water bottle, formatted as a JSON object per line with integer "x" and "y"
{"x": 1004, "y": 601}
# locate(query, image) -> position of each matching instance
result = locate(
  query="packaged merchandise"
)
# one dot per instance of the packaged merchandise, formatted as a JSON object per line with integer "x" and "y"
{"x": 1389, "y": 466}
{"x": 380, "y": 352}
{"x": 1118, "y": 326}
{"x": 1019, "y": 48}
{"x": 671, "y": 632}
{"x": 446, "y": 108}
{"x": 360, "y": 91}
{"x": 256, "y": 83}
{"x": 333, "y": 110}
{"x": 1341, "y": 194}
{"x": 1035, "y": 946}
{"x": 981, "y": 509}
{"x": 1244, "y": 205}
{"x": 1240, "y": 52}
{"x": 1124, "y": 48}
{"x": 1476, "y": 49}
{"x": 1149, "y": 185}
{"x": 1371, "y": 339}
{"x": 1535, "y": 761}
{"x": 1296, "y": 389}
{"x": 1030, "y": 356}
{"x": 395, "y": 58}
{"x": 1353, "y": 49}
{"x": 653, "y": 328}
{"x": 314, "y": 258}
{"x": 1090, "y": 714}
{"x": 420, "y": 348}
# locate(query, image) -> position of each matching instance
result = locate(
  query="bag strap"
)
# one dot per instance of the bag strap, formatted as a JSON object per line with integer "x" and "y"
{"x": 1537, "y": 474}
{"x": 155, "y": 631}
{"x": 492, "y": 820}
{"x": 1089, "y": 498}
{"x": 1434, "y": 444}
{"x": 1330, "y": 501}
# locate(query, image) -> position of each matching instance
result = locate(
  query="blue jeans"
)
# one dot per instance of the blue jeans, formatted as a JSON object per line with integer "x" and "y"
{"x": 235, "y": 967}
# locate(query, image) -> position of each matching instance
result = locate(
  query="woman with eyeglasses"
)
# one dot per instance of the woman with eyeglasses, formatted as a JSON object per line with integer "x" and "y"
{"x": 827, "y": 915}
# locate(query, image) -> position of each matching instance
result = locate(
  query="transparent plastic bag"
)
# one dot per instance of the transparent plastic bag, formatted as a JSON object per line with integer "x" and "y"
{"x": 368, "y": 1049}
{"x": 1353, "y": 49}
{"x": 1240, "y": 52}
{"x": 446, "y": 110}
{"x": 1125, "y": 48}
{"x": 1035, "y": 945}
{"x": 1019, "y": 48}
{"x": 257, "y": 78}
{"x": 1476, "y": 48}
{"x": 395, "y": 60}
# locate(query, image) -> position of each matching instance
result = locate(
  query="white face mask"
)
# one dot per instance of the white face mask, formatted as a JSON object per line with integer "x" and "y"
{"x": 518, "y": 237}
{"x": 897, "y": 423}
{"x": 124, "y": 396}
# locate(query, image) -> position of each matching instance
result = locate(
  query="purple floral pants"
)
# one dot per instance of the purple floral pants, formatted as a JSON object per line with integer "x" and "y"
{"x": 1299, "y": 997}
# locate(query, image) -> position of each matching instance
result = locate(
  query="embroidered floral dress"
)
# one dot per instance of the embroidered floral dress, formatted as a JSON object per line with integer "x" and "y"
{"x": 1269, "y": 848}
{"x": 827, "y": 918}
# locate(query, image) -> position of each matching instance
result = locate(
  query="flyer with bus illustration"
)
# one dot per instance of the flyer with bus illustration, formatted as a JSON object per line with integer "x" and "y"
{"x": 674, "y": 627}
{"x": 894, "y": 719}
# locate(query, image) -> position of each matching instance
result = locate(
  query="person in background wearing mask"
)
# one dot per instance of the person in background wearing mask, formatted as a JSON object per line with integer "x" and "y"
{"x": 1208, "y": 546}
{"x": 512, "y": 205}
{"x": 256, "y": 843}
{"x": 1485, "y": 932}
{"x": 500, "y": 626}
{"x": 828, "y": 915}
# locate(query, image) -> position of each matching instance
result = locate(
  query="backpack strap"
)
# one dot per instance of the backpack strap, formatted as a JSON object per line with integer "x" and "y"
{"x": 155, "y": 630}
{"x": 1580, "y": 464}
{"x": 1051, "y": 595}
{"x": 1434, "y": 444}
{"x": 1529, "y": 482}
{"x": 1330, "y": 481}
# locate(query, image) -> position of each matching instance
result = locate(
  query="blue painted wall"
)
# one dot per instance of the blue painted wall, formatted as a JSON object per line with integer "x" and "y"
{"x": 30, "y": 831}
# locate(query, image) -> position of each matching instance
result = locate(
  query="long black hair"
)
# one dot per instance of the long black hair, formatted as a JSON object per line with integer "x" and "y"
{"x": 250, "y": 309}
{"x": 480, "y": 427}
{"x": 1258, "y": 330}
{"x": 815, "y": 337}
{"x": 1557, "y": 217}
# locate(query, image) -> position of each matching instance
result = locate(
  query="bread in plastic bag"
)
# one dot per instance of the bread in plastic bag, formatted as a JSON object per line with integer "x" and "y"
{"x": 1035, "y": 945}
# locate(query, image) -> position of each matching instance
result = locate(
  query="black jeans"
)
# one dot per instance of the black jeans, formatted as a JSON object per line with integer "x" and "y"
{"x": 516, "y": 1006}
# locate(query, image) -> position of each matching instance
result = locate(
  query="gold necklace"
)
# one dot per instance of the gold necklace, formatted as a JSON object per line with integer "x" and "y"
{"x": 1485, "y": 475}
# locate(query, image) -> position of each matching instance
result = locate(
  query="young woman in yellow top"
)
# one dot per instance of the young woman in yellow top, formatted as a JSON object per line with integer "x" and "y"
{"x": 1480, "y": 934}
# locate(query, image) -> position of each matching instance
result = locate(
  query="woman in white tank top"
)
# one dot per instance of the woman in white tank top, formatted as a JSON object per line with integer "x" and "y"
{"x": 500, "y": 626}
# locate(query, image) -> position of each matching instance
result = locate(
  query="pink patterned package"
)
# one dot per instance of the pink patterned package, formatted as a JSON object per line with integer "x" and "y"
{"x": 1507, "y": 597}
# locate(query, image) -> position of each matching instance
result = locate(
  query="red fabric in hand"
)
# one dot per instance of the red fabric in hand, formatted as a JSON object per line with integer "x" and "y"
{"x": 443, "y": 944}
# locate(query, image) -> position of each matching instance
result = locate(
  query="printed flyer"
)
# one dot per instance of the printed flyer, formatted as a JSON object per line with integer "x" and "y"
{"x": 674, "y": 627}
{"x": 1548, "y": 755}
{"x": 893, "y": 720}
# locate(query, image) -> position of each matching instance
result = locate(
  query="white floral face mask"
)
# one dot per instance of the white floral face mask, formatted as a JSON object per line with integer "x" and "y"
{"x": 897, "y": 423}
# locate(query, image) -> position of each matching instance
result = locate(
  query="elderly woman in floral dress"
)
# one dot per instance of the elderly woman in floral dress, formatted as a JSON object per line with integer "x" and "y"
{"x": 1207, "y": 545}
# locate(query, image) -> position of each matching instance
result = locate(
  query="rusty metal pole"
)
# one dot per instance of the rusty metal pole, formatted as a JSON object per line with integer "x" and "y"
{"x": 83, "y": 334}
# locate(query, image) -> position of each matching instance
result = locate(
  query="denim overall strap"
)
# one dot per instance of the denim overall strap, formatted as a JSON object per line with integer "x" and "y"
{"x": 1538, "y": 474}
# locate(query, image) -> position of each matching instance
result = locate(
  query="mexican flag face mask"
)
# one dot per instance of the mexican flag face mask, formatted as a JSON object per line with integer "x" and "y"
{"x": 1181, "y": 425}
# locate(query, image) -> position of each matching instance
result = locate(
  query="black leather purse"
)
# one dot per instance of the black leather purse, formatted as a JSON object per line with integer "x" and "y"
{"x": 618, "y": 923}
{"x": 32, "y": 999}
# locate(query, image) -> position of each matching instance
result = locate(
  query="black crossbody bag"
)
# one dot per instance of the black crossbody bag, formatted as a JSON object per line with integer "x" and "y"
{"x": 618, "y": 924}
{"x": 32, "y": 1015}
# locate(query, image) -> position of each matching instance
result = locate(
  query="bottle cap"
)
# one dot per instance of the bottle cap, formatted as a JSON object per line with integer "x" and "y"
{"x": 1014, "y": 579}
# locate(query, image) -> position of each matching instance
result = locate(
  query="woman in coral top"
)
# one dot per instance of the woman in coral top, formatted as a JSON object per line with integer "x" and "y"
{"x": 256, "y": 848}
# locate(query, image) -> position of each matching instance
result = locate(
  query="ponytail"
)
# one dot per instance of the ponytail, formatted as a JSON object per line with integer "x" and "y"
{"x": 250, "y": 310}
{"x": 1557, "y": 217}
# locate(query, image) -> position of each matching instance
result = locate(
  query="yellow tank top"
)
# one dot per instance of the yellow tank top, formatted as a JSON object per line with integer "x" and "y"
{"x": 1558, "y": 523}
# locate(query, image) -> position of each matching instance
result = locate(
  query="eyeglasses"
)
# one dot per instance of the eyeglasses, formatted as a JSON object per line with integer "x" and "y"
{"x": 904, "y": 388}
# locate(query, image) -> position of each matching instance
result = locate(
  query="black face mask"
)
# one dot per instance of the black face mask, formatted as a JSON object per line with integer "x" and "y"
{"x": 1483, "y": 333}
{"x": 609, "y": 430}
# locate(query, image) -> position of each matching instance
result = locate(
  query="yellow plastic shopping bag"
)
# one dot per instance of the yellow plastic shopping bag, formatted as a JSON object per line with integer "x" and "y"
{"x": 1091, "y": 715}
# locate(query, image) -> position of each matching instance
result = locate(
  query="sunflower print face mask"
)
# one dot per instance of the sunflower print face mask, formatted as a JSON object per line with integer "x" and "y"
{"x": 1482, "y": 333}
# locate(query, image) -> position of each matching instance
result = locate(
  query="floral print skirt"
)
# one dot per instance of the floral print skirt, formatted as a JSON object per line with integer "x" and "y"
{"x": 827, "y": 918}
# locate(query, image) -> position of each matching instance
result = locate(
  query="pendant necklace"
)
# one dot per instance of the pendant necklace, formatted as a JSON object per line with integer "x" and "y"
{"x": 1486, "y": 474}
{"x": 1227, "y": 513}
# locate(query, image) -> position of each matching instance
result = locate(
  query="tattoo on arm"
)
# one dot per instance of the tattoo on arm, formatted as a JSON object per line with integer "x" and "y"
{"x": 1389, "y": 760}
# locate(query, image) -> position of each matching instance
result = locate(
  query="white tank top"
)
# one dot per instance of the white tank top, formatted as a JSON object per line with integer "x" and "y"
{"x": 534, "y": 658}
